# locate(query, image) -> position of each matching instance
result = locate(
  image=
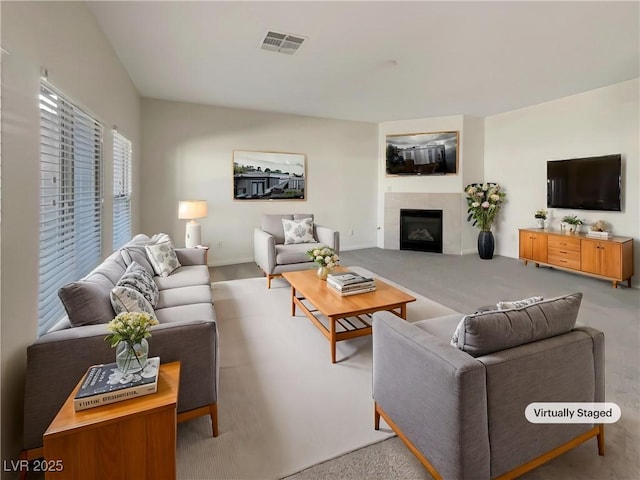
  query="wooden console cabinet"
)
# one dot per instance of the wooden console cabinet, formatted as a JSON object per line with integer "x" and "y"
{"x": 610, "y": 259}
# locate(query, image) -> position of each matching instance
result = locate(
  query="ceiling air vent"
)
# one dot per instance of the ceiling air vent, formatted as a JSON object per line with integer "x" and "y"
{"x": 282, "y": 42}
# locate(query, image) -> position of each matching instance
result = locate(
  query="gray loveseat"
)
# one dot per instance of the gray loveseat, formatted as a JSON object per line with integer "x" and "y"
{"x": 461, "y": 409}
{"x": 187, "y": 332}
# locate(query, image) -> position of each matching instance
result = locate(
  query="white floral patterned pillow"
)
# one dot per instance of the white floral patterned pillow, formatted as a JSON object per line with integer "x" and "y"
{"x": 163, "y": 258}
{"x": 508, "y": 305}
{"x": 298, "y": 231}
{"x": 125, "y": 299}
{"x": 139, "y": 279}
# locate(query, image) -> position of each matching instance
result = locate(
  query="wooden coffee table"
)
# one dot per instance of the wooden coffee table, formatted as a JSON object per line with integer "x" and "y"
{"x": 346, "y": 317}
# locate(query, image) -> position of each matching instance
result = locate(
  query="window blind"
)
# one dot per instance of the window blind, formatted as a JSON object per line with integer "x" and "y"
{"x": 121, "y": 190}
{"x": 70, "y": 199}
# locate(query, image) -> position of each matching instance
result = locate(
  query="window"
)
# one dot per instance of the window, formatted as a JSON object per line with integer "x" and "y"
{"x": 121, "y": 190}
{"x": 70, "y": 199}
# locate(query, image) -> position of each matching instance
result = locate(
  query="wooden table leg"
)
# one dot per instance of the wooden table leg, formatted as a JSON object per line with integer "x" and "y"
{"x": 332, "y": 323}
{"x": 403, "y": 311}
{"x": 293, "y": 302}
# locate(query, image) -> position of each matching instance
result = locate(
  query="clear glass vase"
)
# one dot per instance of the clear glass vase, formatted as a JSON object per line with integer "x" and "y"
{"x": 132, "y": 358}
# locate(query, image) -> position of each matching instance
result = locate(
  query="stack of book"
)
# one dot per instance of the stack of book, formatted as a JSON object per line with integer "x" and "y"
{"x": 103, "y": 384}
{"x": 604, "y": 235}
{"x": 350, "y": 283}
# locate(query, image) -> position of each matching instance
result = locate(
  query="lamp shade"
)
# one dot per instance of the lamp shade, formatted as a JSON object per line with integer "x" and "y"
{"x": 190, "y": 209}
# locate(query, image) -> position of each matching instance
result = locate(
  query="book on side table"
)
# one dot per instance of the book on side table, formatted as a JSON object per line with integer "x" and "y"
{"x": 104, "y": 384}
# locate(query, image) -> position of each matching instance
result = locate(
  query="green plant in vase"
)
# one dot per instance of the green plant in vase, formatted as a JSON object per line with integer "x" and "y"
{"x": 540, "y": 216}
{"x": 573, "y": 221}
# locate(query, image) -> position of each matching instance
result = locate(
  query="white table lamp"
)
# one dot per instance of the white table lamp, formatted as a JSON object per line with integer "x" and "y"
{"x": 190, "y": 210}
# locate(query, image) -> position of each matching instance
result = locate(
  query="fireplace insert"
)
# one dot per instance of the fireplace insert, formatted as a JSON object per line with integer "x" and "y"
{"x": 421, "y": 230}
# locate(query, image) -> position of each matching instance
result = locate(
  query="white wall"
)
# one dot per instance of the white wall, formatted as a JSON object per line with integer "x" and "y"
{"x": 187, "y": 153}
{"x": 64, "y": 37}
{"x": 519, "y": 143}
{"x": 470, "y": 164}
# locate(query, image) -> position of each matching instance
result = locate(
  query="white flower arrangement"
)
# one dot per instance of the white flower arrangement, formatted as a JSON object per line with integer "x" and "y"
{"x": 324, "y": 256}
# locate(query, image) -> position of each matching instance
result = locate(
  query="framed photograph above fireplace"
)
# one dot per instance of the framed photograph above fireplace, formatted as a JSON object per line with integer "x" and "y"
{"x": 434, "y": 153}
{"x": 269, "y": 175}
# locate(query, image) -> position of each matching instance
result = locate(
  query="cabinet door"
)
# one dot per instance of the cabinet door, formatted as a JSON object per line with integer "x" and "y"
{"x": 589, "y": 256}
{"x": 525, "y": 245}
{"x": 610, "y": 259}
{"x": 539, "y": 247}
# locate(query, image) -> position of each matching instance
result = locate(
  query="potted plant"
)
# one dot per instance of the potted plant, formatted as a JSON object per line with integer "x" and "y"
{"x": 128, "y": 335}
{"x": 573, "y": 221}
{"x": 484, "y": 201}
{"x": 540, "y": 216}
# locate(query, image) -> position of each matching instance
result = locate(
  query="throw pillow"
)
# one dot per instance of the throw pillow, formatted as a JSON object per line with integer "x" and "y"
{"x": 507, "y": 305}
{"x": 139, "y": 279}
{"x": 125, "y": 299}
{"x": 492, "y": 331}
{"x": 298, "y": 231}
{"x": 87, "y": 301}
{"x": 163, "y": 258}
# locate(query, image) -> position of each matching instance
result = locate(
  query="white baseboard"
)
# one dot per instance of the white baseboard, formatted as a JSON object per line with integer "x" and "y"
{"x": 230, "y": 261}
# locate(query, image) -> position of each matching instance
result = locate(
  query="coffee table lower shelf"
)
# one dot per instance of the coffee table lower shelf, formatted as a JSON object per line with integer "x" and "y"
{"x": 341, "y": 327}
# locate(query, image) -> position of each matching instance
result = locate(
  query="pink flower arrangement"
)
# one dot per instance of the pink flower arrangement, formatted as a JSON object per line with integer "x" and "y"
{"x": 484, "y": 201}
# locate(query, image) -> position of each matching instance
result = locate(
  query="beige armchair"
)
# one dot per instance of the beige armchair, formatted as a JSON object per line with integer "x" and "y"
{"x": 275, "y": 256}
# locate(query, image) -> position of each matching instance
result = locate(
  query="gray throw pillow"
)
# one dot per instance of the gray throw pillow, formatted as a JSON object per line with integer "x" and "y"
{"x": 87, "y": 301}
{"x": 492, "y": 331}
{"x": 139, "y": 279}
{"x": 298, "y": 231}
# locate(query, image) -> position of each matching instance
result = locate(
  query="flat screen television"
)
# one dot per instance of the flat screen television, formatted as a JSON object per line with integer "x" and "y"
{"x": 591, "y": 183}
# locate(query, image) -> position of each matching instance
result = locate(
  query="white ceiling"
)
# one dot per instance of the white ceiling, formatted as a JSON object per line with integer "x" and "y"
{"x": 474, "y": 58}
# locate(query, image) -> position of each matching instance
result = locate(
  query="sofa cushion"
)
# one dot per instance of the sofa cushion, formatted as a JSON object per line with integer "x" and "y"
{"x": 172, "y": 297}
{"x": 139, "y": 279}
{"x": 440, "y": 327}
{"x": 295, "y": 253}
{"x": 184, "y": 276}
{"x": 487, "y": 332}
{"x": 272, "y": 224}
{"x": 194, "y": 311}
{"x": 87, "y": 302}
{"x": 298, "y": 231}
{"x": 110, "y": 269}
{"x": 125, "y": 299}
{"x": 138, "y": 254}
{"x": 162, "y": 257}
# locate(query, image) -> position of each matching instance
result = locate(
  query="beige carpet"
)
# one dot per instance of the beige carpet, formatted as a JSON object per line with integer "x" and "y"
{"x": 283, "y": 406}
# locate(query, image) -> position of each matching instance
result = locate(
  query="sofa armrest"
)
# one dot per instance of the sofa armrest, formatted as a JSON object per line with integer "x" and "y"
{"x": 436, "y": 395}
{"x": 328, "y": 237}
{"x": 57, "y": 361}
{"x": 191, "y": 256}
{"x": 264, "y": 250}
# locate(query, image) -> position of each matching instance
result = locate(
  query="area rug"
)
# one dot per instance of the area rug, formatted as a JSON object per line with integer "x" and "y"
{"x": 283, "y": 406}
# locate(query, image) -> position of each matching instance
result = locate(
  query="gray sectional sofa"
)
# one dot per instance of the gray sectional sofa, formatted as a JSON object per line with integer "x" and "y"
{"x": 458, "y": 401}
{"x": 187, "y": 332}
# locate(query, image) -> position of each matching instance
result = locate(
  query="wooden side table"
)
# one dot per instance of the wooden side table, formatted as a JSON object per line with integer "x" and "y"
{"x": 134, "y": 438}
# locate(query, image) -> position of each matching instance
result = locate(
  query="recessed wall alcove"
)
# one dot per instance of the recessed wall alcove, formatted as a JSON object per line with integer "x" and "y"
{"x": 451, "y": 205}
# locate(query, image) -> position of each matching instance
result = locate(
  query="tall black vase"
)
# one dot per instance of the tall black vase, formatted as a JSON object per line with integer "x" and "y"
{"x": 486, "y": 244}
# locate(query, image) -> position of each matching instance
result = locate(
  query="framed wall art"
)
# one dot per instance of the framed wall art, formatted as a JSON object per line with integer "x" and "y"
{"x": 269, "y": 175}
{"x": 433, "y": 153}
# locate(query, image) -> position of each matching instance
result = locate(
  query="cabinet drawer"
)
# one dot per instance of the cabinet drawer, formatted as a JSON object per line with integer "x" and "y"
{"x": 564, "y": 258}
{"x": 564, "y": 243}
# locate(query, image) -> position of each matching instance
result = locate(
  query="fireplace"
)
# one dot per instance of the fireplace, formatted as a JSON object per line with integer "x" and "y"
{"x": 421, "y": 230}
